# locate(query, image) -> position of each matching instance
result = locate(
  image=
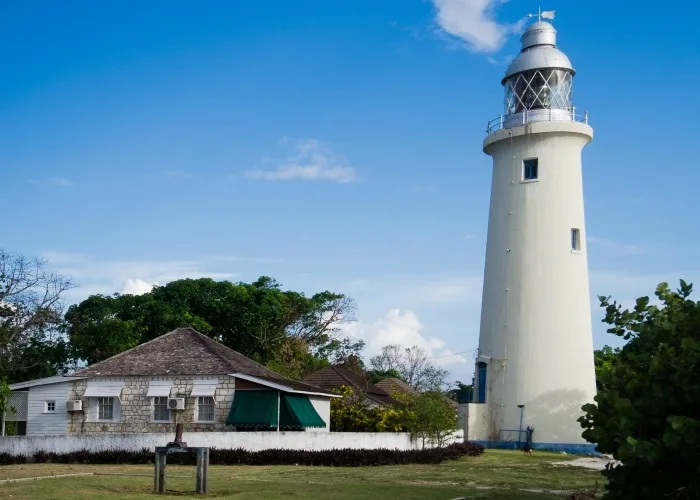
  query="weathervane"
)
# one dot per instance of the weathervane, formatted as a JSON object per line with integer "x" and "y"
{"x": 547, "y": 14}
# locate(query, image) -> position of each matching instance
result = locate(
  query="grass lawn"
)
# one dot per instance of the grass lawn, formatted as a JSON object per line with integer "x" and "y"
{"x": 496, "y": 474}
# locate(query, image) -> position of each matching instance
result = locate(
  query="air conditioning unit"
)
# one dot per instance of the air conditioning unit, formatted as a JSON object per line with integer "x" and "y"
{"x": 176, "y": 403}
{"x": 74, "y": 405}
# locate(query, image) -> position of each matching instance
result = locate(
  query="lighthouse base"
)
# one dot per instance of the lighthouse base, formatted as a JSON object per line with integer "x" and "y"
{"x": 569, "y": 448}
{"x": 475, "y": 419}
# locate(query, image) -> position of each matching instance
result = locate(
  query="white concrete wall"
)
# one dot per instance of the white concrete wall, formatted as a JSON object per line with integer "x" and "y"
{"x": 323, "y": 408}
{"x": 40, "y": 422}
{"x": 253, "y": 441}
{"x": 536, "y": 315}
{"x": 475, "y": 421}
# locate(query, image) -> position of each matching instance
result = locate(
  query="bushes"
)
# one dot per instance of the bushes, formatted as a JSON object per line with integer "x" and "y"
{"x": 646, "y": 412}
{"x": 7, "y": 459}
{"x": 332, "y": 458}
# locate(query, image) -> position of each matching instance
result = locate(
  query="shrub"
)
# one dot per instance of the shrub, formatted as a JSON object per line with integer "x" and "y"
{"x": 332, "y": 458}
{"x": 351, "y": 414}
{"x": 646, "y": 411}
{"x": 7, "y": 459}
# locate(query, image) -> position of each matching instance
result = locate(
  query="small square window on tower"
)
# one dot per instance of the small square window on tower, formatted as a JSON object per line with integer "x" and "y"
{"x": 530, "y": 169}
{"x": 576, "y": 240}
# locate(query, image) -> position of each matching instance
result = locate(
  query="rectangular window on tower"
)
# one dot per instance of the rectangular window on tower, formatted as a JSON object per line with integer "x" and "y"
{"x": 530, "y": 169}
{"x": 575, "y": 240}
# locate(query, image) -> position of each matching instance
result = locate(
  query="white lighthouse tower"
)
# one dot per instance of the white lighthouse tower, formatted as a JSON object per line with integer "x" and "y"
{"x": 535, "y": 360}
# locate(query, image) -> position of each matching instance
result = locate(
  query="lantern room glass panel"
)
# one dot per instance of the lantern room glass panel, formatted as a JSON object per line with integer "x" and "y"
{"x": 538, "y": 89}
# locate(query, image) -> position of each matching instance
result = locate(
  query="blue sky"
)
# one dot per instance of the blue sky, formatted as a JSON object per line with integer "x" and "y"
{"x": 332, "y": 145}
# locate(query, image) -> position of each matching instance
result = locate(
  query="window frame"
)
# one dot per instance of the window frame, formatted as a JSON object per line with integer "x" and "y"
{"x": 524, "y": 177}
{"x": 48, "y": 404}
{"x": 153, "y": 409}
{"x": 575, "y": 243}
{"x": 99, "y": 408}
{"x": 199, "y": 404}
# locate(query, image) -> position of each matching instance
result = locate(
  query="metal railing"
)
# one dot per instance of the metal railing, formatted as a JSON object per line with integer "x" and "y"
{"x": 534, "y": 116}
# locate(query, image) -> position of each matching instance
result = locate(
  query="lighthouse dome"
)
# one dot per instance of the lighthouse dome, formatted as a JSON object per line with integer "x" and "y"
{"x": 539, "y": 51}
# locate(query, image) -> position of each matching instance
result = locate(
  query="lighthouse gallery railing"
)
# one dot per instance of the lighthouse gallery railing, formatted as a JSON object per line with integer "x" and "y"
{"x": 534, "y": 116}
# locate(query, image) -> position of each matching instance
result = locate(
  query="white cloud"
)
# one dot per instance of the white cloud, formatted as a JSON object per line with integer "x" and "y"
{"x": 403, "y": 328}
{"x": 136, "y": 287}
{"x": 94, "y": 275}
{"x": 54, "y": 181}
{"x": 473, "y": 22}
{"x": 313, "y": 160}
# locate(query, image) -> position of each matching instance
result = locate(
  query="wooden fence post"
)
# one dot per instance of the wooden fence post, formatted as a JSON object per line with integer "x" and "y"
{"x": 202, "y": 469}
{"x": 159, "y": 479}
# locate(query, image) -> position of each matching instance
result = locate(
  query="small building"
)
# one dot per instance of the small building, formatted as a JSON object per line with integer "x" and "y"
{"x": 335, "y": 377}
{"x": 393, "y": 385}
{"x": 181, "y": 376}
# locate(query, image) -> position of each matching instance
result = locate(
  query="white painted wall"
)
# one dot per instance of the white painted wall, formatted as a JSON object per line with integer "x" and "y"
{"x": 40, "y": 422}
{"x": 474, "y": 420}
{"x": 252, "y": 441}
{"x": 323, "y": 408}
{"x": 536, "y": 315}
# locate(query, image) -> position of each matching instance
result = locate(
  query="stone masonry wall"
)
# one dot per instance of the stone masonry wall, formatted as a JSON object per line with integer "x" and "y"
{"x": 136, "y": 408}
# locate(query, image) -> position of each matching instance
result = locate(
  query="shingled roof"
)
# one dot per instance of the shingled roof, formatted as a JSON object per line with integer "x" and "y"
{"x": 185, "y": 351}
{"x": 392, "y": 385}
{"x": 334, "y": 377}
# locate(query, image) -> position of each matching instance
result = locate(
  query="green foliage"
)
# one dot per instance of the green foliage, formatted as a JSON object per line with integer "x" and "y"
{"x": 605, "y": 360}
{"x": 351, "y": 413}
{"x": 294, "y": 360}
{"x": 453, "y": 393}
{"x": 647, "y": 413}
{"x": 4, "y": 395}
{"x": 259, "y": 320}
{"x": 428, "y": 416}
{"x": 379, "y": 375}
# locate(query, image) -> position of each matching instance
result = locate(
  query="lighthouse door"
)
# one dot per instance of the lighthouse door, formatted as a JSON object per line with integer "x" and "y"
{"x": 481, "y": 380}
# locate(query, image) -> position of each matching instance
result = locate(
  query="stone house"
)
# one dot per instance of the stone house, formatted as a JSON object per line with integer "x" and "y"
{"x": 180, "y": 377}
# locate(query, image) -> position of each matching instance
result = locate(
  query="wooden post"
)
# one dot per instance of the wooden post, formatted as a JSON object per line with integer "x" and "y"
{"x": 202, "y": 469}
{"x": 159, "y": 477}
{"x": 202, "y": 473}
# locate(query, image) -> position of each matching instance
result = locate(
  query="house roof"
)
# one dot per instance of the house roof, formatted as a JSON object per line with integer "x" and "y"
{"x": 185, "y": 351}
{"x": 43, "y": 381}
{"x": 393, "y": 385}
{"x": 334, "y": 377}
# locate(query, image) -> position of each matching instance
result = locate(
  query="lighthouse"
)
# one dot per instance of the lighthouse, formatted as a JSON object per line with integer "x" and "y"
{"x": 534, "y": 365}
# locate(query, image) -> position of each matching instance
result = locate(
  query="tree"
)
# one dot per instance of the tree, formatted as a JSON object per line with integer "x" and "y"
{"x": 428, "y": 416}
{"x": 647, "y": 414}
{"x": 259, "y": 319}
{"x": 413, "y": 365}
{"x": 31, "y": 317}
{"x": 4, "y": 395}
{"x": 454, "y": 392}
{"x": 293, "y": 359}
{"x": 352, "y": 413}
{"x": 605, "y": 360}
{"x": 379, "y": 375}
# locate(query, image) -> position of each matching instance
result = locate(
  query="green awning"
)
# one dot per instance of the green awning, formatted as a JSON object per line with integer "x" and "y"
{"x": 253, "y": 408}
{"x": 297, "y": 411}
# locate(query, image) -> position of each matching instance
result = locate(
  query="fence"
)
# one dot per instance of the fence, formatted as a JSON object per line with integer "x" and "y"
{"x": 251, "y": 441}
